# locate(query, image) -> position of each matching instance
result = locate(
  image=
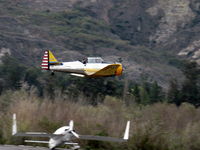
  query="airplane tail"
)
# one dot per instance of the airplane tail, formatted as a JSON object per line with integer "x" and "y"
{"x": 48, "y": 59}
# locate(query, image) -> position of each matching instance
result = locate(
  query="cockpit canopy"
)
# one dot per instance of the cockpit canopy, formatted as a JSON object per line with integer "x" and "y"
{"x": 94, "y": 60}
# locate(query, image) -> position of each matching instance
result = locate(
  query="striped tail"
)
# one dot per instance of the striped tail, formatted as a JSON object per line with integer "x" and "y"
{"x": 48, "y": 59}
{"x": 45, "y": 61}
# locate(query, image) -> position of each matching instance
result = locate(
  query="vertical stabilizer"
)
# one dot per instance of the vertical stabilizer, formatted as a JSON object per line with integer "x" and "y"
{"x": 14, "y": 125}
{"x": 126, "y": 133}
{"x": 52, "y": 59}
{"x": 45, "y": 61}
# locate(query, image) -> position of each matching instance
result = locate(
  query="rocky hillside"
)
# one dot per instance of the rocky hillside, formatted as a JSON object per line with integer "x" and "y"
{"x": 151, "y": 36}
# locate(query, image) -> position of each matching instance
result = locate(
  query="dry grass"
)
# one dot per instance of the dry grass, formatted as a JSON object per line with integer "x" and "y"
{"x": 159, "y": 126}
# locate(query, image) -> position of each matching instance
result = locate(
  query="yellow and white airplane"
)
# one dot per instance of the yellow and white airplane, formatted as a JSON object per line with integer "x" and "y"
{"x": 90, "y": 67}
{"x": 65, "y": 135}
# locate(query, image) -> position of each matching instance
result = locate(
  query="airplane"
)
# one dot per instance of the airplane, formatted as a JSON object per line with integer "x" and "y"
{"x": 90, "y": 67}
{"x": 65, "y": 135}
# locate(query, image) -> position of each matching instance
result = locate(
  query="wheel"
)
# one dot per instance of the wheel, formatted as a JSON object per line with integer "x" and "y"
{"x": 76, "y": 147}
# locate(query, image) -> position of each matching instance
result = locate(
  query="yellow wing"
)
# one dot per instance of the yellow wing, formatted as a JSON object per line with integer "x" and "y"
{"x": 110, "y": 70}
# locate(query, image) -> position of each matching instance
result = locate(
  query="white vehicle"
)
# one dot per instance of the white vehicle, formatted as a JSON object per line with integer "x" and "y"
{"x": 90, "y": 67}
{"x": 65, "y": 135}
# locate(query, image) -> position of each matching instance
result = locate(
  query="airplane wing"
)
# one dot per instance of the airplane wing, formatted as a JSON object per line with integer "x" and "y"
{"x": 109, "y": 70}
{"x": 105, "y": 138}
{"x": 31, "y": 141}
{"x": 47, "y": 142}
{"x": 29, "y": 134}
{"x": 100, "y": 138}
{"x": 36, "y": 134}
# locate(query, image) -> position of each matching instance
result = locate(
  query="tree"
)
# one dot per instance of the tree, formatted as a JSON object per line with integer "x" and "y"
{"x": 174, "y": 92}
{"x": 11, "y": 73}
{"x": 155, "y": 93}
{"x": 190, "y": 88}
{"x": 95, "y": 89}
{"x": 144, "y": 96}
{"x": 135, "y": 91}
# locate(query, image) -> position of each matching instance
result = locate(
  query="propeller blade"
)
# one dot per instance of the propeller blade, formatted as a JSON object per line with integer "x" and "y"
{"x": 71, "y": 125}
{"x": 75, "y": 134}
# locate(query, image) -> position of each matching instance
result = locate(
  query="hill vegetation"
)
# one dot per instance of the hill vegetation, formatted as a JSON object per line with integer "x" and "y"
{"x": 146, "y": 35}
{"x": 14, "y": 76}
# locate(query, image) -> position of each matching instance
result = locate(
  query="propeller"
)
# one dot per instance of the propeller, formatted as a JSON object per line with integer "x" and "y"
{"x": 71, "y": 126}
{"x": 119, "y": 59}
{"x": 75, "y": 134}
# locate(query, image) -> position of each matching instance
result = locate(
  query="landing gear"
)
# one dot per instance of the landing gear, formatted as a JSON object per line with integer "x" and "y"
{"x": 75, "y": 147}
{"x": 52, "y": 73}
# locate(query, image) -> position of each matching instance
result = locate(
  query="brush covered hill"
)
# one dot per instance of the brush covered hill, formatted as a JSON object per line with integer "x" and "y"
{"x": 150, "y": 36}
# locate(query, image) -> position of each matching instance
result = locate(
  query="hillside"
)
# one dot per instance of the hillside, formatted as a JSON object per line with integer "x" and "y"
{"x": 150, "y": 36}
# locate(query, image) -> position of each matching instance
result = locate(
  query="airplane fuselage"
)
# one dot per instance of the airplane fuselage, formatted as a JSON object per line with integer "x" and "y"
{"x": 87, "y": 69}
{"x": 90, "y": 67}
{"x": 59, "y": 140}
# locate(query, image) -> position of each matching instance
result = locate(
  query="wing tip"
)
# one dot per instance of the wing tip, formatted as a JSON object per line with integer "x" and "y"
{"x": 14, "y": 125}
{"x": 126, "y": 133}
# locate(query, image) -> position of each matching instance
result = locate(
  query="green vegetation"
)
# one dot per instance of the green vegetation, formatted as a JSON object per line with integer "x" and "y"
{"x": 14, "y": 76}
{"x": 44, "y": 102}
{"x": 127, "y": 28}
{"x": 189, "y": 91}
{"x": 158, "y": 126}
{"x": 161, "y": 119}
{"x": 80, "y": 28}
{"x": 86, "y": 29}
